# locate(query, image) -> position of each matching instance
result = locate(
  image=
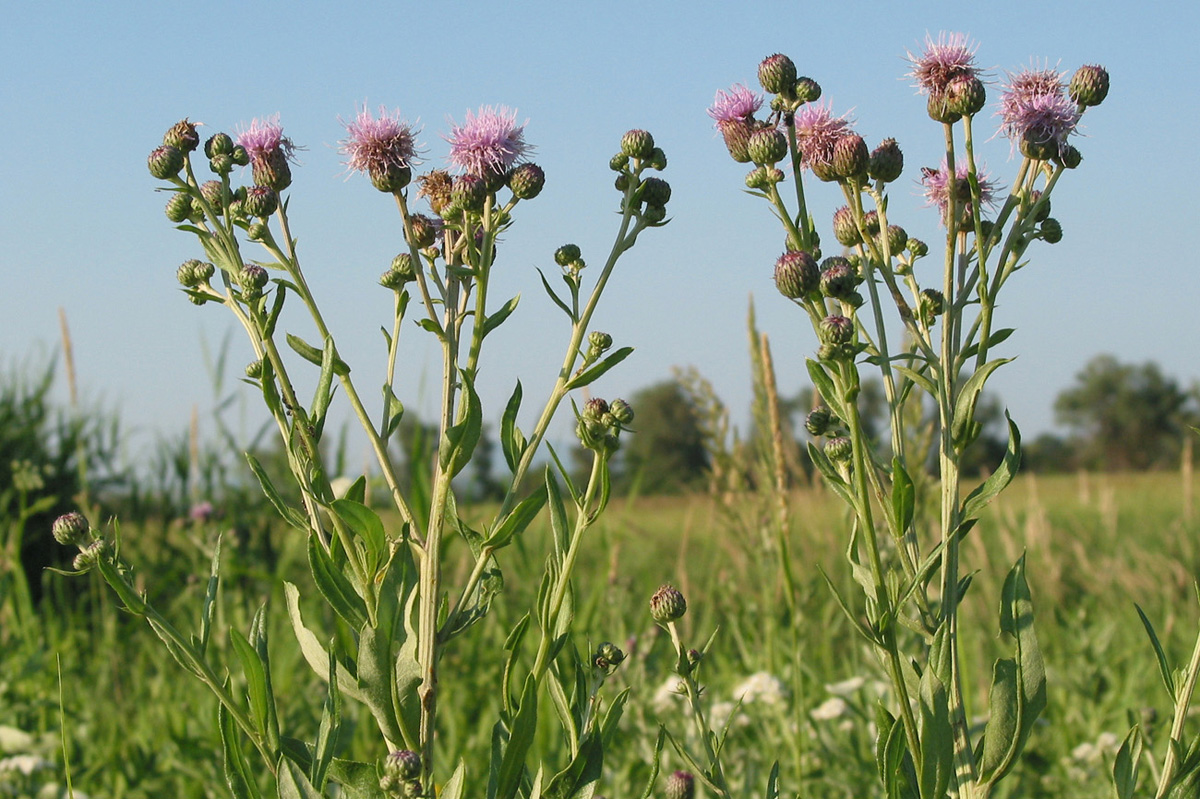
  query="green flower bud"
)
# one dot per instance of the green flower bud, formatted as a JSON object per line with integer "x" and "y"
{"x": 681, "y": 785}
{"x": 838, "y": 279}
{"x": 389, "y": 177}
{"x": 1036, "y": 146}
{"x": 261, "y": 201}
{"x": 965, "y": 95}
{"x": 526, "y": 181}
{"x": 253, "y": 279}
{"x": 402, "y": 264}
{"x": 667, "y": 605}
{"x": 90, "y": 555}
{"x": 657, "y": 160}
{"x": 939, "y": 109}
{"x": 403, "y": 764}
{"x": 1051, "y": 231}
{"x": 179, "y": 207}
{"x": 896, "y": 237}
{"x": 824, "y": 171}
{"x": 218, "y": 144}
{"x": 254, "y": 369}
{"x": 835, "y": 330}
{"x": 258, "y": 231}
{"x": 850, "y": 157}
{"x": 71, "y": 529}
{"x": 599, "y": 341}
{"x": 1089, "y": 85}
{"x": 183, "y": 136}
{"x": 839, "y": 449}
{"x": 819, "y": 421}
{"x": 468, "y": 192}
{"x": 221, "y": 164}
{"x": 871, "y": 223}
{"x": 165, "y": 162}
{"x": 654, "y": 214}
{"x": 567, "y": 255}
{"x": 807, "y": 90}
{"x": 622, "y": 182}
{"x": 1068, "y": 156}
{"x": 621, "y": 412}
{"x": 767, "y": 146}
{"x": 655, "y": 191}
{"x": 777, "y": 74}
{"x": 1043, "y": 210}
{"x": 240, "y": 156}
{"x": 607, "y": 657}
{"x": 637, "y": 144}
{"x": 758, "y": 178}
{"x": 932, "y": 305}
{"x": 215, "y": 194}
{"x": 594, "y": 409}
{"x": 618, "y": 162}
{"x": 917, "y": 248}
{"x": 796, "y": 274}
{"x": 887, "y": 162}
{"x": 193, "y": 273}
{"x": 424, "y": 231}
{"x": 845, "y": 228}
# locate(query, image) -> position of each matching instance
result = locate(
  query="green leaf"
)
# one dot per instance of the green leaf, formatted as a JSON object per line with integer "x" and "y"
{"x": 324, "y": 392}
{"x": 333, "y": 585}
{"x": 518, "y": 519}
{"x": 314, "y": 653}
{"x": 368, "y": 528}
{"x": 554, "y": 297}
{"x": 978, "y": 499}
{"x": 358, "y": 780}
{"x": 238, "y": 774}
{"x": 292, "y": 782}
{"x": 512, "y": 645}
{"x": 1164, "y": 668}
{"x": 1125, "y": 765}
{"x": 210, "y": 601}
{"x": 591, "y": 375}
{"x": 512, "y": 441}
{"x": 578, "y": 780}
{"x": 524, "y": 724}
{"x": 968, "y": 397}
{"x": 256, "y": 680}
{"x": 919, "y": 379}
{"x": 850, "y": 615}
{"x": 558, "y": 518}
{"x": 453, "y": 789}
{"x": 937, "y": 732}
{"x": 289, "y": 514}
{"x": 1018, "y": 684}
{"x": 824, "y": 386}
{"x": 432, "y": 326}
{"x": 327, "y": 732}
{"x": 258, "y": 640}
{"x": 772, "y": 791}
{"x": 315, "y": 356}
{"x": 655, "y": 762}
{"x": 495, "y": 320}
{"x": 393, "y": 411}
{"x": 458, "y": 442}
{"x": 997, "y": 337}
{"x": 903, "y": 497}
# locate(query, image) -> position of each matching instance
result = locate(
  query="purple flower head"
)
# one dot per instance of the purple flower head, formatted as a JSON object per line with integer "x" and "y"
{"x": 375, "y": 146}
{"x": 488, "y": 143}
{"x": 951, "y": 56}
{"x": 202, "y": 512}
{"x": 1035, "y": 106}
{"x": 736, "y": 105}
{"x": 937, "y": 189}
{"x": 817, "y": 132}
{"x": 264, "y": 138}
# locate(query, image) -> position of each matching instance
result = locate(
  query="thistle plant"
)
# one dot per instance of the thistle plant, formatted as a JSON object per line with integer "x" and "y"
{"x": 855, "y": 293}
{"x": 382, "y": 576}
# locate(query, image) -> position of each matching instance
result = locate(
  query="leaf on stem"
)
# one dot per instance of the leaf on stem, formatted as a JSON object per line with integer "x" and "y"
{"x": 589, "y": 376}
{"x": 553, "y": 296}
{"x": 337, "y": 590}
{"x": 1164, "y": 669}
{"x": 964, "y": 428}
{"x": 494, "y": 321}
{"x": 512, "y": 441}
{"x": 238, "y": 774}
{"x": 289, "y": 514}
{"x": 314, "y": 355}
{"x": 458, "y": 441}
{"x": 999, "y": 479}
{"x": 1125, "y": 764}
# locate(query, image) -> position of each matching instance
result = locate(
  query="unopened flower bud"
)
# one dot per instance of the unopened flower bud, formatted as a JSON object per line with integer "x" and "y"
{"x": 618, "y": 162}
{"x": 567, "y": 255}
{"x": 818, "y": 421}
{"x": 71, "y": 529}
{"x": 845, "y": 228}
{"x": 240, "y": 155}
{"x": 657, "y": 159}
{"x": 468, "y": 192}
{"x": 183, "y": 136}
{"x": 1051, "y": 230}
{"x": 254, "y": 369}
{"x": 1089, "y": 85}
{"x": 1043, "y": 210}
{"x": 887, "y": 162}
{"x": 681, "y": 785}
{"x": 594, "y": 409}
{"x": 777, "y": 74}
{"x": 621, "y": 183}
{"x": 192, "y": 273}
{"x": 667, "y": 605}
{"x": 796, "y": 274}
{"x": 608, "y": 656}
{"x": 89, "y": 555}
{"x": 871, "y": 222}
{"x": 599, "y": 341}
{"x": 403, "y": 764}
{"x": 655, "y": 191}
{"x": 402, "y": 265}
{"x": 221, "y": 164}
{"x": 932, "y": 305}
{"x": 165, "y": 162}
{"x": 694, "y": 656}
{"x": 424, "y": 231}
{"x": 838, "y": 279}
{"x": 835, "y": 330}
{"x": 965, "y": 95}
{"x": 261, "y": 201}
{"x": 526, "y": 181}
{"x": 272, "y": 170}
{"x": 807, "y": 90}
{"x": 179, "y": 207}
{"x": 253, "y": 278}
{"x": 897, "y": 239}
{"x": 1068, "y": 156}
{"x": 839, "y": 449}
{"x": 621, "y": 412}
{"x": 850, "y": 157}
{"x": 218, "y": 144}
{"x": 767, "y": 146}
{"x": 1037, "y": 146}
{"x": 637, "y": 144}
{"x": 939, "y": 109}
{"x": 917, "y": 248}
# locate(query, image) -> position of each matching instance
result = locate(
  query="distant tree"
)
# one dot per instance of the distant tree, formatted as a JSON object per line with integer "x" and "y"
{"x": 666, "y": 451}
{"x": 1049, "y": 452}
{"x": 1126, "y": 416}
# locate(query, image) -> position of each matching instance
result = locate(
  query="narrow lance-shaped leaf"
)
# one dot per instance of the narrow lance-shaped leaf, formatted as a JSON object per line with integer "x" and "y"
{"x": 589, "y": 376}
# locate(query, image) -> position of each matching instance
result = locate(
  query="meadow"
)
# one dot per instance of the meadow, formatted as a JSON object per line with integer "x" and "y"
{"x": 92, "y": 692}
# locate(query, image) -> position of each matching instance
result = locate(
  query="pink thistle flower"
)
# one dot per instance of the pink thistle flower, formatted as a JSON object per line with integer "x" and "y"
{"x": 488, "y": 143}
{"x": 951, "y": 56}
{"x": 377, "y": 146}
{"x": 937, "y": 190}
{"x": 736, "y": 105}
{"x": 1035, "y": 108}
{"x": 264, "y": 138}
{"x": 817, "y": 132}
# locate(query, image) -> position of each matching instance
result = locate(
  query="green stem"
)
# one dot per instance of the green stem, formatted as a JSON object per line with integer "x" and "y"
{"x": 1183, "y": 701}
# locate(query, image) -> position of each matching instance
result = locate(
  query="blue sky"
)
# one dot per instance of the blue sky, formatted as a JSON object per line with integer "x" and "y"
{"x": 89, "y": 88}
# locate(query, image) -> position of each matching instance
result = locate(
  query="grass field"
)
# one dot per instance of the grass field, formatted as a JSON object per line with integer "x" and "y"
{"x": 133, "y": 724}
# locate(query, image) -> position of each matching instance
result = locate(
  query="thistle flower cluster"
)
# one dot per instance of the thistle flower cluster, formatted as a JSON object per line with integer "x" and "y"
{"x": 601, "y": 424}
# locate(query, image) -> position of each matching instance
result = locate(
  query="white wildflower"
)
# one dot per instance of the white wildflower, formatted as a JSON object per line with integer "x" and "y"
{"x": 667, "y": 696}
{"x": 25, "y": 764}
{"x": 14, "y": 740}
{"x": 719, "y": 714}
{"x": 762, "y": 687}
{"x": 846, "y": 687}
{"x": 832, "y": 708}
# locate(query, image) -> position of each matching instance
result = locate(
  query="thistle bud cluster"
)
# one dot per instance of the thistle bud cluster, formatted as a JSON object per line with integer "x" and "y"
{"x": 570, "y": 258}
{"x": 607, "y": 658}
{"x": 73, "y": 529}
{"x": 650, "y": 194}
{"x": 601, "y": 423}
{"x": 401, "y": 272}
{"x": 401, "y": 774}
{"x": 193, "y": 273}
